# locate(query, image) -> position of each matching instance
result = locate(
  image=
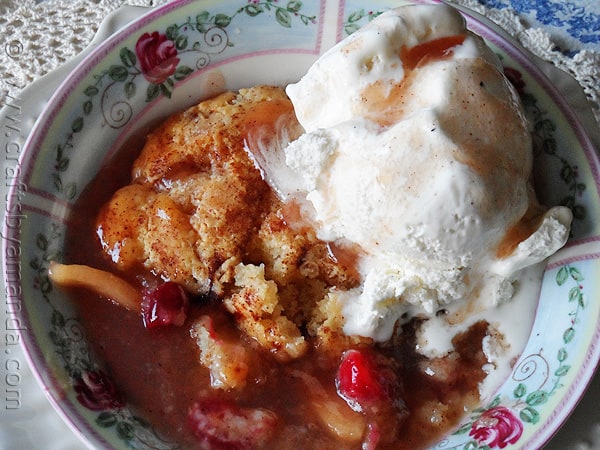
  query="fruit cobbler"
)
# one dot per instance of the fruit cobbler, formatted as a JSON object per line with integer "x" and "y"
{"x": 224, "y": 328}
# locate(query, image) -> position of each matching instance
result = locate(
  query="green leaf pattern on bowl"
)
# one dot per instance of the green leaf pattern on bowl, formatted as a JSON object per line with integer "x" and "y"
{"x": 536, "y": 381}
{"x": 156, "y": 57}
{"x": 94, "y": 388}
{"x": 359, "y": 18}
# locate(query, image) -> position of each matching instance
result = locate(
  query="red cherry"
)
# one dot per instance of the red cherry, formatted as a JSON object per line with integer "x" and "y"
{"x": 165, "y": 305}
{"x": 358, "y": 381}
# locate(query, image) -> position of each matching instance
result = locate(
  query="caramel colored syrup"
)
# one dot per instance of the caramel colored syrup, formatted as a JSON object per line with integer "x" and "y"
{"x": 384, "y": 102}
{"x": 435, "y": 50}
{"x": 520, "y": 231}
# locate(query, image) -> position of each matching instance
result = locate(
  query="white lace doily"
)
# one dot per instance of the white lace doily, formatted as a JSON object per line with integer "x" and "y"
{"x": 39, "y": 36}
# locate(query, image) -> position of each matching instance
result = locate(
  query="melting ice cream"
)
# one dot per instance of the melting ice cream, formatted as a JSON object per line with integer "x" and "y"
{"x": 416, "y": 151}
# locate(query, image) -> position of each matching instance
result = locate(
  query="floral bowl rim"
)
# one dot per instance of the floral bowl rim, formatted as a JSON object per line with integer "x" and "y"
{"x": 527, "y": 415}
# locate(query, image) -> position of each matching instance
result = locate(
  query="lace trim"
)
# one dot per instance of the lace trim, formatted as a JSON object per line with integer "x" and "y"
{"x": 39, "y": 37}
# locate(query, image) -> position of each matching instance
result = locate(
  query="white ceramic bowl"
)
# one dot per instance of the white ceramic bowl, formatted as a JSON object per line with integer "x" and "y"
{"x": 112, "y": 95}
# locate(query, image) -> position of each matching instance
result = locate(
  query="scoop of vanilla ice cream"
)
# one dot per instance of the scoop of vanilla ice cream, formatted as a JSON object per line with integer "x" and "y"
{"x": 417, "y": 151}
{"x": 341, "y": 84}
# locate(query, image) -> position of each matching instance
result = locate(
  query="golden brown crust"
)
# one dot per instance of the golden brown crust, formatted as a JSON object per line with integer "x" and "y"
{"x": 199, "y": 213}
{"x": 196, "y": 197}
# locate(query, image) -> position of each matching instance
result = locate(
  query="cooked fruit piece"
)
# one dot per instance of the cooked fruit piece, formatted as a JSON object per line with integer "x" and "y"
{"x": 224, "y": 425}
{"x": 166, "y": 304}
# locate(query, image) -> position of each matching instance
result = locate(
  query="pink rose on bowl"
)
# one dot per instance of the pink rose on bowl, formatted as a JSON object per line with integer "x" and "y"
{"x": 497, "y": 427}
{"x": 96, "y": 391}
{"x": 157, "y": 56}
